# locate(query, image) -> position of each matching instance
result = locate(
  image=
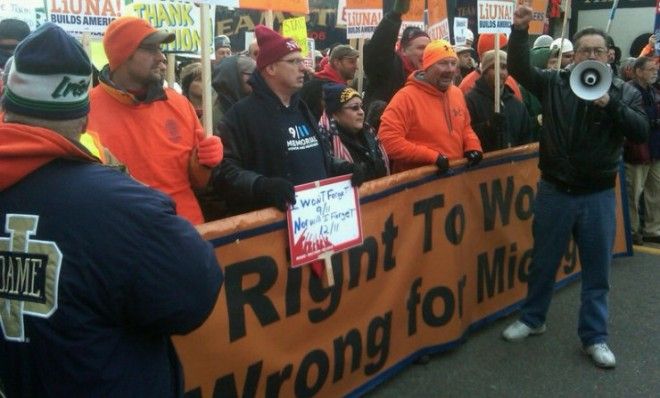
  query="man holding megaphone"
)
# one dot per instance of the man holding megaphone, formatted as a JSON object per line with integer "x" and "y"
{"x": 580, "y": 150}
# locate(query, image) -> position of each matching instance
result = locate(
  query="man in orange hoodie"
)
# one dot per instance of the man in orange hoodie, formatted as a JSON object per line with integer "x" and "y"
{"x": 154, "y": 131}
{"x": 427, "y": 121}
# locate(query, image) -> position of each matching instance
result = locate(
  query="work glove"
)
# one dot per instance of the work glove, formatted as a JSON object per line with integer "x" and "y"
{"x": 401, "y": 6}
{"x": 473, "y": 157}
{"x": 209, "y": 150}
{"x": 497, "y": 122}
{"x": 359, "y": 174}
{"x": 275, "y": 191}
{"x": 443, "y": 164}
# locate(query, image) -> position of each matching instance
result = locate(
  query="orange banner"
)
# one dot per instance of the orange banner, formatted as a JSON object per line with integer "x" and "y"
{"x": 294, "y": 6}
{"x": 364, "y": 4}
{"x": 438, "y": 22}
{"x": 415, "y": 13}
{"x": 437, "y": 11}
{"x": 439, "y": 255}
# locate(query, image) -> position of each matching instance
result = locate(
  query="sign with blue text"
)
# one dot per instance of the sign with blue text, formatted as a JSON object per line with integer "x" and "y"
{"x": 494, "y": 16}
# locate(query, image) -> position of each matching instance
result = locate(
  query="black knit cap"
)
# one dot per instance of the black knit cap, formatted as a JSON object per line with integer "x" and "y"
{"x": 13, "y": 29}
{"x": 410, "y": 33}
{"x": 335, "y": 95}
{"x": 49, "y": 76}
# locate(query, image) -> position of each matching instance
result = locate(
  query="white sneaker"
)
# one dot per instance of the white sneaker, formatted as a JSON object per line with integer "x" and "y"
{"x": 518, "y": 331}
{"x": 601, "y": 354}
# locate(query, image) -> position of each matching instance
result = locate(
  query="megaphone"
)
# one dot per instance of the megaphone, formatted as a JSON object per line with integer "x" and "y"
{"x": 590, "y": 79}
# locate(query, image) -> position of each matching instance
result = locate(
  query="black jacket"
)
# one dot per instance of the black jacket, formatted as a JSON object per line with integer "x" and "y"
{"x": 517, "y": 128}
{"x": 382, "y": 65}
{"x": 312, "y": 93}
{"x": 363, "y": 148}
{"x": 255, "y": 146}
{"x": 580, "y": 143}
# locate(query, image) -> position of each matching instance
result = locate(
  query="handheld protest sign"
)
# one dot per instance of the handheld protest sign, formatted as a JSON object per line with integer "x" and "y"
{"x": 325, "y": 219}
{"x": 495, "y": 17}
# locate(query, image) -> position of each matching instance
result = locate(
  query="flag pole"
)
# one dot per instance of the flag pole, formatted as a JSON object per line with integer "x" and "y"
{"x": 270, "y": 19}
{"x": 171, "y": 70}
{"x": 563, "y": 32}
{"x": 611, "y": 18}
{"x": 498, "y": 83}
{"x": 207, "y": 117}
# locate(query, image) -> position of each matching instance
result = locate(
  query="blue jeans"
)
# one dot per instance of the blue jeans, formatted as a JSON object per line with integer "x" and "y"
{"x": 590, "y": 219}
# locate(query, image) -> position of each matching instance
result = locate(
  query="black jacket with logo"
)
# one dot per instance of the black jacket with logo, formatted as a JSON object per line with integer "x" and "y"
{"x": 255, "y": 145}
{"x": 580, "y": 143}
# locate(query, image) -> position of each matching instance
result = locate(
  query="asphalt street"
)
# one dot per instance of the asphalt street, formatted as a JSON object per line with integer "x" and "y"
{"x": 552, "y": 365}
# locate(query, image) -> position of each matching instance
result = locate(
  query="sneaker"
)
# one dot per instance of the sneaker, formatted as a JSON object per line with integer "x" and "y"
{"x": 601, "y": 354}
{"x": 518, "y": 331}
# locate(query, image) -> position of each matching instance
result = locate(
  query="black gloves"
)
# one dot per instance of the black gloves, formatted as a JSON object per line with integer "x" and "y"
{"x": 401, "y": 6}
{"x": 497, "y": 122}
{"x": 443, "y": 164}
{"x": 360, "y": 174}
{"x": 473, "y": 158}
{"x": 275, "y": 191}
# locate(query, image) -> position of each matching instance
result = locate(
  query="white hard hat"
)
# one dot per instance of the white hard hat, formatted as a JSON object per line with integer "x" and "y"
{"x": 567, "y": 46}
{"x": 543, "y": 41}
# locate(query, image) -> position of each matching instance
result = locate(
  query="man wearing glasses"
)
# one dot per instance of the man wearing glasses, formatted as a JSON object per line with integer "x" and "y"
{"x": 271, "y": 139}
{"x": 580, "y": 148}
{"x": 154, "y": 131}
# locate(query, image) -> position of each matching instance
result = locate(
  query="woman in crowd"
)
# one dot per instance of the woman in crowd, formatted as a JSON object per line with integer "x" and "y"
{"x": 351, "y": 138}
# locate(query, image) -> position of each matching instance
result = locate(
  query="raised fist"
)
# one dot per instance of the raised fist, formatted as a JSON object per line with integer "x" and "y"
{"x": 401, "y": 6}
{"x": 522, "y": 17}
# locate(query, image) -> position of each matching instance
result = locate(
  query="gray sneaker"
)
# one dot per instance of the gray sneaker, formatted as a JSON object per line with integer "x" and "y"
{"x": 519, "y": 331}
{"x": 601, "y": 354}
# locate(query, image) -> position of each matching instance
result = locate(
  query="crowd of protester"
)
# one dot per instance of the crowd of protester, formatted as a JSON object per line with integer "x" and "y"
{"x": 278, "y": 123}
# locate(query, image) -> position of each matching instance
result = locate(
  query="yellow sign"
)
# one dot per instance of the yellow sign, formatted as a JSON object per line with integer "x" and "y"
{"x": 439, "y": 255}
{"x": 296, "y": 28}
{"x": 98, "y": 57}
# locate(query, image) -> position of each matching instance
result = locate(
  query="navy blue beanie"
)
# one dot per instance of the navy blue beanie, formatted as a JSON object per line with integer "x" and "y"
{"x": 49, "y": 77}
{"x": 335, "y": 95}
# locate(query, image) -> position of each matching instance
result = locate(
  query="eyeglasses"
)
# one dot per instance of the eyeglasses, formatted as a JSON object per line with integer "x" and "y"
{"x": 597, "y": 51}
{"x": 354, "y": 107}
{"x": 294, "y": 61}
{"x": 151, "y": 48}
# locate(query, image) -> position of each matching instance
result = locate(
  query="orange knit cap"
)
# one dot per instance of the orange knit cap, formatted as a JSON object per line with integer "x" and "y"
{"x": 435, "y": 51}
{"x": 487, "y": 42}
{"x": 125, "y": 34}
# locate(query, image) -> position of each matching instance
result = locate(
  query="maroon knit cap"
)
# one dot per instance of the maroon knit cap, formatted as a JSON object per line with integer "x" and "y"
{"x": 272, "y": 46}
